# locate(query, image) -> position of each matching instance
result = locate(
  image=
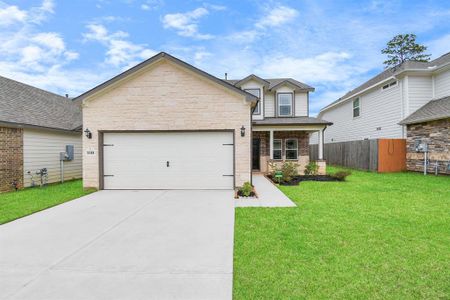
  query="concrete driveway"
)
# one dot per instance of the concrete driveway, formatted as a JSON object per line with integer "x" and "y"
{"x": 122, "y": 245}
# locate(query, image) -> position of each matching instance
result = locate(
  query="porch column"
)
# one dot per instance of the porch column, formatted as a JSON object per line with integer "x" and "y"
{"x": 321, "y": 144}
{"x": 271, "y": 144}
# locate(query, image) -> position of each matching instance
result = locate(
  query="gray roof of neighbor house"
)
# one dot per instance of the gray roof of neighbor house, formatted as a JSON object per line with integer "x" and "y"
{"x": 434, "y": 110}
{"x": 291, "y": 121}
{"x": 273, "y": 82}
{"x": 157, "y": 57}
{"x": 24, "y": 105}
{"x": 407, "y": 65}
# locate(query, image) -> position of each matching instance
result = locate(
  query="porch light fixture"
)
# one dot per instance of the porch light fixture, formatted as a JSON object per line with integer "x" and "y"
{"x": 88, "y": 133}
{"x": 242, "y": 131}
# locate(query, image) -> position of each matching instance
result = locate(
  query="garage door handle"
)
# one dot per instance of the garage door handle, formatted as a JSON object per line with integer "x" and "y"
{"x": 168, "y": 163}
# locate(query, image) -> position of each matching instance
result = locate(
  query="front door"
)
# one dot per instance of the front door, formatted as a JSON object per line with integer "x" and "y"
{"x": 256, "y": 154}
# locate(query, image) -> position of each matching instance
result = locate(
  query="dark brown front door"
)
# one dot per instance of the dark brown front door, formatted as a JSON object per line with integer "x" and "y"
{"x": 256, "y": 154}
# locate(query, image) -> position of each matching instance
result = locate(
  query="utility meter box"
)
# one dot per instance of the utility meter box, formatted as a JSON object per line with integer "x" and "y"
{"x": 69, "y": 152}
{"x": 421, "y": 147}
{"x": 68, "y": 155}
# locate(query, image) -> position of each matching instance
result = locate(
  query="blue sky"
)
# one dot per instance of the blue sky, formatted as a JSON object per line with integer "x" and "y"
{"x": 71, "y": 46}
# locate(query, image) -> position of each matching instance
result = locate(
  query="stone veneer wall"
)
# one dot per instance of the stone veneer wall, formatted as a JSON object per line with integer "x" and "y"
{"x": 437, "y": 135}
{"x": 11, "y": 157}
{"x": 303, "y": 147}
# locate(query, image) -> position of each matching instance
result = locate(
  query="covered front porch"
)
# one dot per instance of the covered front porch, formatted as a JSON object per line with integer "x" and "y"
{"x": 274, "y": 144}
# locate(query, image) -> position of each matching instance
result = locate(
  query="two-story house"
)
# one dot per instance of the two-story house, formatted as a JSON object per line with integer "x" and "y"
{"x": 380, "y": 108}
{"x": 281, "y": 124}
{"x": 165, "y": 124}
{"x": 375, "y": 108}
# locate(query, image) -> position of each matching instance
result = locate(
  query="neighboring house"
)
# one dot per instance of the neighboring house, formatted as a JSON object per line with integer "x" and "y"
{"x": 375, "y": 109}
{"x": 165, "y": 124}
{"x": 35, "y": 126}
{"x": 429, "y": 125}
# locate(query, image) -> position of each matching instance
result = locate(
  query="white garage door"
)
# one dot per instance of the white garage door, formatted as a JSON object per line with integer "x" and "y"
{"x": 168, "y": 160}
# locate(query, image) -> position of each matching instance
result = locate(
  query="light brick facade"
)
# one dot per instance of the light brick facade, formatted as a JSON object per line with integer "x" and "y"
{"x": 165, "y": 96}
{"x": 437, "y": 135}
{"x": 11, "y": 157}
{"x": 303, "y": 148}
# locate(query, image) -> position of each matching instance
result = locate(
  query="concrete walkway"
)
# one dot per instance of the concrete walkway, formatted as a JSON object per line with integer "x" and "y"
{"x": 268, "y": 195}
{"x": 122, "y": 245}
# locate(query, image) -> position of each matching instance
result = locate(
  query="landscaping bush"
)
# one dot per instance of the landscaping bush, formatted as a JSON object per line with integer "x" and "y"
{"x": 246, "y": 189}
{"x": 312, "y": 168}
{"x": 289, "y": 170}
{"x": 341, "y": 175}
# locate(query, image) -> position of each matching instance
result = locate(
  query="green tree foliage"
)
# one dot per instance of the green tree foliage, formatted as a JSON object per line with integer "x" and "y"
{"x": 403, "y": 47}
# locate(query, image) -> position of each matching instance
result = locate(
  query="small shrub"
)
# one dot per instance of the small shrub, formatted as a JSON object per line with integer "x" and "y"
{"x": 246, "y": 189}
{"x": 341, "y": 175}
{"x": 312, "y": 168}
{"x": 289, "y": 170}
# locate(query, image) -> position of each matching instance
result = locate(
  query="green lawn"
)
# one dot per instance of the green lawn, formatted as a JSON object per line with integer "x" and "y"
{"x": 375, "y": 236}
{"x": 14, "y": 205}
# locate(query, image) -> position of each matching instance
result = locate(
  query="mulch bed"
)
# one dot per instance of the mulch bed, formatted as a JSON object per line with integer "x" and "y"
{"x": 297, "y": 179}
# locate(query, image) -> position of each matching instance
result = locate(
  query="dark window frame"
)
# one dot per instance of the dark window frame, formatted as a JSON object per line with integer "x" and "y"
{"x": 257, "y": 111}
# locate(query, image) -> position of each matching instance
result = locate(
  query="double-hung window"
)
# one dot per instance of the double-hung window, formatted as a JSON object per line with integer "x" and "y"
{"x": 356, "y": 108}
{"x": 277, "y": 149}
{"x": 285, "y": 104}
{"x": 291, "y": 149}
{"x": 257, "y": 93}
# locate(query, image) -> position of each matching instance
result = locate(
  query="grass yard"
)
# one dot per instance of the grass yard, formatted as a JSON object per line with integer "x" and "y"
{"x": 375, "y": 236}
{"x": 14, "y": 205}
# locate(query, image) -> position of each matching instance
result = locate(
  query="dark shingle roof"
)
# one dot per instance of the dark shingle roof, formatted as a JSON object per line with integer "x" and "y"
{"x": 292, "y": 121}
{"x": 407, "y": 65}
{"x": 433, "y": 110}
{"x": 273, "y": 82}
{"x": 22, "y": 104}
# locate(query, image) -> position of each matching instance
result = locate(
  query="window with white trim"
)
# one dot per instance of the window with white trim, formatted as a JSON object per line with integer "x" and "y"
{"x": 285, "y": 102}
{"x": 356, "y": 108}
{"x": 277, "y": 149}
{"x": 257, "y": 93}
{"x": 291, "y": 149}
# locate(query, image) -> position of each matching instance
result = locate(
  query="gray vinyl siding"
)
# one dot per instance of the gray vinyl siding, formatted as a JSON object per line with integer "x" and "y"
{"x": 301, "y": 104}
{"x": 269, "y": 105}
{"x": 41, "y": 150}
{"x": 442, "y": 84}
{"x": 379, "y": 108}
{"x": 420, "y": 90}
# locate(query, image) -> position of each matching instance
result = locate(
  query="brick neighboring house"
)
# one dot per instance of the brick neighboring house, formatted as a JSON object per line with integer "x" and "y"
{"x": 430, "y": 124}
{"x": 35, "y": 126}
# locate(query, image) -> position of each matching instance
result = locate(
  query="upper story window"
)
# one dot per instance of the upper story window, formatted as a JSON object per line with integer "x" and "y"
{"x": 356, "y": 108}
{"x": 285, "y": 103}
{"x": 257, "y": 93}
{"x": 391, "y": 84}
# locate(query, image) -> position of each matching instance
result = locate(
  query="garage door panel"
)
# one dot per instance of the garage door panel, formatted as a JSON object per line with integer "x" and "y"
{"x": 197, "y": 160}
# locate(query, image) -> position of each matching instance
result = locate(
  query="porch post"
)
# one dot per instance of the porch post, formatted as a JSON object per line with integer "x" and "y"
{"x": 321, "y": 144}
{"x": 271, "y": 144}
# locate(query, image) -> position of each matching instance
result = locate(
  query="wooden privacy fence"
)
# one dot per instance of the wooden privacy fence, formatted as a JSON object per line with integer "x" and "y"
{"x": 381, "y": 155}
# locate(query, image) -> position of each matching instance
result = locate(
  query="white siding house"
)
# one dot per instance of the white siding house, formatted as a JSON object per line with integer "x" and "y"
{"x": 41, "y": 149}
{"x": 385, "y": 100}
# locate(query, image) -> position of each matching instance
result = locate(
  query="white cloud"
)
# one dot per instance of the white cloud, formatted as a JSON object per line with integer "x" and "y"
{"x": 439, "y": 46}
{"x": 152, "y": 4}
{"x": 186, "y": 23}
{"x": 277, "y": 16}
{"x": 325, "y": 67}
{"x": 145, "y": 7}
{"x": 11, "y": 14}
{"x": 120, "y": 52}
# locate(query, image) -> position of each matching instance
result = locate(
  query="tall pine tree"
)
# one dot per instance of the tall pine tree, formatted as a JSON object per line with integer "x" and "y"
{"x": 404, "y": 47}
